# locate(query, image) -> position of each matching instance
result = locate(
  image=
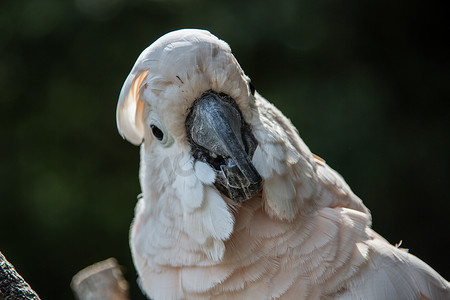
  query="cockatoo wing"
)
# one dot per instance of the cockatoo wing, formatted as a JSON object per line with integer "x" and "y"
{"x": 393, "y": 273}
{"x": 296, "y": 181}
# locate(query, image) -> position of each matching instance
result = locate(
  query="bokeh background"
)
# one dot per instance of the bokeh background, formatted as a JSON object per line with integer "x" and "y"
{"x": 365, "y": 82}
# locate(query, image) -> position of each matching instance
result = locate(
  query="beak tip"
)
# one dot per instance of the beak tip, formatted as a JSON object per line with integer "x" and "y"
{"x": 237, "y": 186}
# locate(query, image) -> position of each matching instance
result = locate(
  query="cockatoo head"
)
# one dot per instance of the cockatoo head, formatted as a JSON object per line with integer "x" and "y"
{"x": 187, "y": 100}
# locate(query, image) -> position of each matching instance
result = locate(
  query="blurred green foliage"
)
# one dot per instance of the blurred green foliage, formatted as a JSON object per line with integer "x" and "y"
{"x": 365, "y": 82}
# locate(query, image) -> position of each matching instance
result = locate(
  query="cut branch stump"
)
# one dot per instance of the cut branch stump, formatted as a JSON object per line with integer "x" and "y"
{"x": 101, "y": 281}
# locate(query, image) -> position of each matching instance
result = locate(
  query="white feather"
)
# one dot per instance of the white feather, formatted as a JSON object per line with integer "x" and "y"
{"x": 190, "y": 190}
{"x": 259, "y": 160}
{"x": 218, "y": 219}
{"x": 204, "y": 173}
{"x": 199, "y": 280}
{"x": 279, "y": 196}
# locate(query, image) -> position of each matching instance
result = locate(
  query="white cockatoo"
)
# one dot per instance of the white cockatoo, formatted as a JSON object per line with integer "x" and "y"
{"x": 234, "y": 205}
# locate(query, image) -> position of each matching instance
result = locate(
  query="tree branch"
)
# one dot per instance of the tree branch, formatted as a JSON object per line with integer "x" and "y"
{"x": 12, "y": 285}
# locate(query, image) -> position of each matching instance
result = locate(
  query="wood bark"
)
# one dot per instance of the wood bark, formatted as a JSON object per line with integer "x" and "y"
{"x": 12, "y": 285}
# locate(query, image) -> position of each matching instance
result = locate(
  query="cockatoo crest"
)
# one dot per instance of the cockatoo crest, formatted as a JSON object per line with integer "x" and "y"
{"x": 172, "y": 73}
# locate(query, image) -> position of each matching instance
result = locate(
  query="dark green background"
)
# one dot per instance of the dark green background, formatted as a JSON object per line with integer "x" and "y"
{"x": 365, "y": 82}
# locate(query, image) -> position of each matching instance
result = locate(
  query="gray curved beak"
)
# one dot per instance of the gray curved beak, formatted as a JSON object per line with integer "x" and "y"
{"x": 220, "y": 137}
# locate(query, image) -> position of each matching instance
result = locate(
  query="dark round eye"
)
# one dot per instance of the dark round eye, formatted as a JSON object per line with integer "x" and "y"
{"x": 252, "y": 88}
{"x": 157, "y": 132}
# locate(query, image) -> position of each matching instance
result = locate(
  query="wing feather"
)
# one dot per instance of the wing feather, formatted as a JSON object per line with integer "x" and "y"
{"x": 393, "y": 273}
